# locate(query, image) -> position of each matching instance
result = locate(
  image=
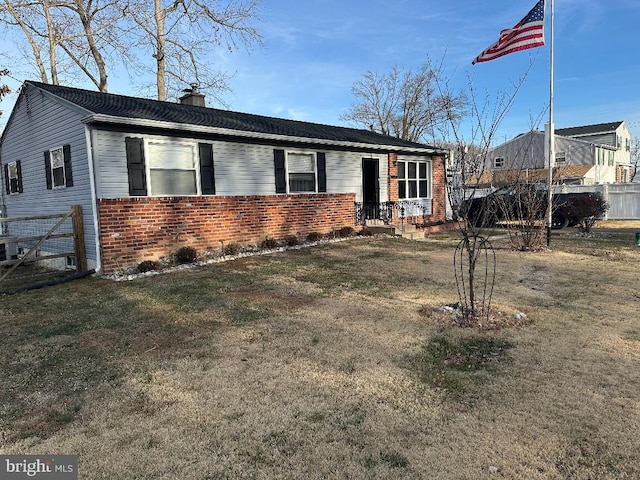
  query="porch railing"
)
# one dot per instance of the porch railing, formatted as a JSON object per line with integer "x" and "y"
{"x": 387, "y": 211}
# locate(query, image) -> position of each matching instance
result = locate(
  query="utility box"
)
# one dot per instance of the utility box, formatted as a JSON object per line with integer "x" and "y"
{"x": 8, "y": 248}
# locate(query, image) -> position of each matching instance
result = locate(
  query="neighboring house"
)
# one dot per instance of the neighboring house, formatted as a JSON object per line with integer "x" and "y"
{"x": 604, "y": 148}
{"x": 153, "y": 176}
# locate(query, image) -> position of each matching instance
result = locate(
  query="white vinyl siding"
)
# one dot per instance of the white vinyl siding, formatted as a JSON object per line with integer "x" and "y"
{"x": 26, "y": 137}
{"x": 240, "y": 169}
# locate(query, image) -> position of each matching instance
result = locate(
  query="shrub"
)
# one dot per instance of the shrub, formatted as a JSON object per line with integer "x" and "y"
{"x": 314, "y": 237}
{"x": 291, "y": 241}
{"x": 232, "y": 248}
{"x": 268, "y": 244}
{"x": 346, "y": 232}
{"x": 366, "y": 232}
{"x": 587, "y": 210}
{"x": 186, "y": 255}
{"x": 148, "y": 266}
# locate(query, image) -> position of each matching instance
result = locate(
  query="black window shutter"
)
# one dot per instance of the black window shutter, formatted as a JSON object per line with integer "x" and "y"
{"x": 47, "y": 169}
{"x": 6, "y": 179}
{"x": 135, "y": 167}
{"x": 321, "y": 162}
{"x": 281, "y": 180}
{"x": 207, "y": 173}
{"x": 19, "y": 173}
{"x": 68, "y": 174}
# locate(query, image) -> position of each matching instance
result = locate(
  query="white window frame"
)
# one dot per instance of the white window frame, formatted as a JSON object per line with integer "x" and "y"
{"x": 54, "y": 168}
{"x": 498, "y": 162}
{"x": 13, "y": 165}
{"x": 149, "y": 144}
{"x": 288, "y": 172}
{"x": 407, "y": 179}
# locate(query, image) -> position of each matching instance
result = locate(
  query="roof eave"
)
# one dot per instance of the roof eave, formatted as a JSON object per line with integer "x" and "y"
{"x": 186, "y": 127}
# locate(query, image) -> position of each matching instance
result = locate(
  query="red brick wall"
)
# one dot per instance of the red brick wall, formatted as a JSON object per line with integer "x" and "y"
{"x": 393, "y": 177}
{"x": 148, "y": 228}
{"x": 439, "y": 211}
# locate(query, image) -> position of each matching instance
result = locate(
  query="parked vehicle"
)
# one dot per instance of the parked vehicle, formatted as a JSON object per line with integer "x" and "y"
{"x": 522, "y": 203}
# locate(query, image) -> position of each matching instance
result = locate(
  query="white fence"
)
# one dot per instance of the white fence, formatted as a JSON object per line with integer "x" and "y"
{"x": 623, "y": 198}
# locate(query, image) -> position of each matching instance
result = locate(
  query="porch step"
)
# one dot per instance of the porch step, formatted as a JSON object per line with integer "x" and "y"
{"x": 404, "y": 231}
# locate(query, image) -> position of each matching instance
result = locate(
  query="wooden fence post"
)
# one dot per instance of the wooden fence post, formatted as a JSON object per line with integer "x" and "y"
{"x": 78, "y": 239}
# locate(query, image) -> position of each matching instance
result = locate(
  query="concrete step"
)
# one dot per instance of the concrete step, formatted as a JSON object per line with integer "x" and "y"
{"x": 382, "y": 229}
{"x": 404, "y": 231}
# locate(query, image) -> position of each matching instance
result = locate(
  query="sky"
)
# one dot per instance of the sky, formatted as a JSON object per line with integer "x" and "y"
{"x": 315, "y": 50}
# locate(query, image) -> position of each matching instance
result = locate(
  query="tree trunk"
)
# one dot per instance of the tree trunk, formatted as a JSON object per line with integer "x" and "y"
{"x": 34, "y": 46}
{"x": 53, "y": 62}
{"x": 93, "y": 47}
{"x": 160, "y": 50}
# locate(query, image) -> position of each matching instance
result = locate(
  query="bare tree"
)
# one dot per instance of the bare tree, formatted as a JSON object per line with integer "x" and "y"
{"x": 178, "y": 35}
{"x": 25, "y": 15}
{"x": 81, "y": 29}
{"x": 405, "y": 104}
{"x": 474, "y": 261}
{"x": 93, "y": 36}
{"x": 87, "y": 34}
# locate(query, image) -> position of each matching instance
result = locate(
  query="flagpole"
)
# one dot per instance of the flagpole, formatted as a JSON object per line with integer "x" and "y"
{"x": 551, "y": 150}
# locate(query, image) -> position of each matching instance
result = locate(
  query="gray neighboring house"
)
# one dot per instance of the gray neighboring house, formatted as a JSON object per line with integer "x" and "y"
{"x": 152, "y": 176}
{"x": 605, "y": 147}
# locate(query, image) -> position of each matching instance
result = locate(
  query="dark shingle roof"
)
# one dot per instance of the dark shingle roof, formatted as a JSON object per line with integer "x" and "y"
{"x": 588, "y": 129}
{"x": 142, "y": 108}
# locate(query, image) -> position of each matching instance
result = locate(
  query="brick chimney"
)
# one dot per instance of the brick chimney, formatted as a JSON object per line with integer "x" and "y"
{"x": 192, "y": 96}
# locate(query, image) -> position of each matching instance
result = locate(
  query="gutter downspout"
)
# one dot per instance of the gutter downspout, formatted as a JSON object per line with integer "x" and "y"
{"x": 94, "y": 197}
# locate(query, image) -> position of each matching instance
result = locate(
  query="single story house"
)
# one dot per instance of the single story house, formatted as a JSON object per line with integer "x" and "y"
{"x": 153, "y": 176}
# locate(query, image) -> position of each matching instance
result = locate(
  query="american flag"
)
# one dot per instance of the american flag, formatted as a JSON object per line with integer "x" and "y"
{"x": 527, "y": 33}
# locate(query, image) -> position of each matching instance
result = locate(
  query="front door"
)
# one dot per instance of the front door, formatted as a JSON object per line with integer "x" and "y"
{"x": 371, "y": 188}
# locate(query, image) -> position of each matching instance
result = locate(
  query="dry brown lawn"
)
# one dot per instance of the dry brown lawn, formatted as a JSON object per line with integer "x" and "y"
{"x": 333, "y": 362}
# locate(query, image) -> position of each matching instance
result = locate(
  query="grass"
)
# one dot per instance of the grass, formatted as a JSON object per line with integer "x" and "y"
{"x": 326, "y": 363}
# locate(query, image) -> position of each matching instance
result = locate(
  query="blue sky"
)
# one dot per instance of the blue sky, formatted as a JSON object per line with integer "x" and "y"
{"x": 315, "y": 50}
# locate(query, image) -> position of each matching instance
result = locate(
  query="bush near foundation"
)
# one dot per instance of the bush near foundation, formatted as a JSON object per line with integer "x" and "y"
{"x": 185, "y": 255}
{"x": 148, "y": 266}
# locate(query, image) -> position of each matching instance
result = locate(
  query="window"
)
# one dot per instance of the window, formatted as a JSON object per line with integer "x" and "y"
{"x": 13, "y": 178}
{"x": 610, "y": 158}
{"x": 561, "y": 157}
{"x": 600, "y": 154}
{"x": 169, "y": 169}
{"x": 172, "y": 169}
{"x": 498, "y": 162}
{"x": 300, "y": 171}
{"x": 627, "y": 143}
{"x": 57, "y": 167}
{"x": 414, "y": 179}
{"x": 301, "y": 168}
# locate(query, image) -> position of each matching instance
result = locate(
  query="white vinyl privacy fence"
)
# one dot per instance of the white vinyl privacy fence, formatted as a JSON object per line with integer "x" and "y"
{"x": 623, "y": 198}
